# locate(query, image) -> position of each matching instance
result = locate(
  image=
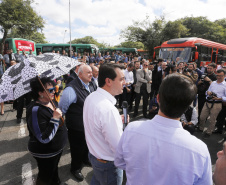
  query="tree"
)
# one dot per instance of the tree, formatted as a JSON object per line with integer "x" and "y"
{"x": 130, "y": 44}
{"x": 20, "y": 15}
{"x": 150, "y": 34}
{"x": 36, "y": 36}
{"x": 88, "y": 40}
{"x": 204, "y": 28}
{"x": 174, "y": 30}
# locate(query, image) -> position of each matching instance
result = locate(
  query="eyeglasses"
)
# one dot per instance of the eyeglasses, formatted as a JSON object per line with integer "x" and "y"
{"x": 145, "y": 65}
{"x": 52, "y": 89}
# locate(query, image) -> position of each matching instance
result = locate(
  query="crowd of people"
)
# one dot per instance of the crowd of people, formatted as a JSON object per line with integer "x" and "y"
{"x": 159, "y": 150}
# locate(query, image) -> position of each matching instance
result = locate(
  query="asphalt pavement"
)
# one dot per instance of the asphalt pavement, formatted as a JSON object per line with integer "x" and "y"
{"x": 17, "y": 166}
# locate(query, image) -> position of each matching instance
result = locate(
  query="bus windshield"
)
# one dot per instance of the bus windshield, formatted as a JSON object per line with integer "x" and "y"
{"x": 172, "y": 53}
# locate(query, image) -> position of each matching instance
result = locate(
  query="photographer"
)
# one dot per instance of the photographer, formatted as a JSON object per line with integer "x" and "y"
{"x": 216, "y": 94}
{"x": 189, "y": 119}
{"x": 204, "y": 84}
{"x": 191, "y": 73}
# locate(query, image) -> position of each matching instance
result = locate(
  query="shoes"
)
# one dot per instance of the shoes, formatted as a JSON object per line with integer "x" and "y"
{"x": 206, "y": 136}
{"x": 2, "y": 113}
{"x": 217, "y": 131}
{"x": 78, "y": 175}
{"x": 18, "y": 120}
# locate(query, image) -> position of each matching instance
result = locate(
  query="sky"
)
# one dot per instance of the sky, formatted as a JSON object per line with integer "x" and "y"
{"x": 104, "y": 19}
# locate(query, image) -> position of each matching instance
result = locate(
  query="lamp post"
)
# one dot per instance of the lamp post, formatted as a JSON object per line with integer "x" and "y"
{"x": 70, "y": 26}
{"x": 64, "y": 34}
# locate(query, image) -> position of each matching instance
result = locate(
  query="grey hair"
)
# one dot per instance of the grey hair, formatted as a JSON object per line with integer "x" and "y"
{"x": 80, "y": 70}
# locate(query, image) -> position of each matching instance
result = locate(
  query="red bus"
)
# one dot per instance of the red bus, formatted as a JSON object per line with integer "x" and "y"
{"x": 192, "y": 49}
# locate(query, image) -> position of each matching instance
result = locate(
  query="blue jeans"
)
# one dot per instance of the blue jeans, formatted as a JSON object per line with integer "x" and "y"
{"x": 105, "y": 173}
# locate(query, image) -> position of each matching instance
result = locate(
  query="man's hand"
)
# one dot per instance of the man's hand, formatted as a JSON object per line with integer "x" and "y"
{"x": 209, "y": 93}
{"x": 207, "y": 79}
{"x": 122, "y": 116}
{"x": 216, "y": 98}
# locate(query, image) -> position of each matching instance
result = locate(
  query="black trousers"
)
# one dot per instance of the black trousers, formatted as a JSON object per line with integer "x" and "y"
{"x": 221, "y": 119}
{"x": 132, "y": 97}
{"x": 20, "y": 104}
{"x": 144, "y": 93}
{"x": 48, "y": 170}
{"x": 125, "y": 96}
{"x": 79, "y": 149}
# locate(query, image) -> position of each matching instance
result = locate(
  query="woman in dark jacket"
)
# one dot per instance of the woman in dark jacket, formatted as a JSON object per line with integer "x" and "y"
{"x": 47, "y": 138}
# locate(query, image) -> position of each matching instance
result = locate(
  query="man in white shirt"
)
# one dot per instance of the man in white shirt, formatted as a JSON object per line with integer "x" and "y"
{"x": 213, "y": 104}
{"x": 160, "y": 151}
{"x": 126, "y": 95}
{"x": 103, "y": 125}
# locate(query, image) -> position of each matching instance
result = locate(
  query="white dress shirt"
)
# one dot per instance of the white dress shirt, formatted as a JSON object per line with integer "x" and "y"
{"x": 102, "y": 123}
{"x": 161, "y": 152}
{"x": 219, "y": 89}
{"x": 128, "y": 77}
{"x": 194, "y": 117}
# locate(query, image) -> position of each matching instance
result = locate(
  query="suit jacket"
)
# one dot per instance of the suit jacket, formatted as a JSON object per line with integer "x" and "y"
{"x": 92, "y": 85}
{"x": 141, "y": 80}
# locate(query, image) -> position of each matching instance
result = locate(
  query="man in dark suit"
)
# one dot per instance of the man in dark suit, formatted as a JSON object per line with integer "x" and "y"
{"x": 160, "y": 75}
{"x": 133, "y": 94}
{"x": 143, "y": 88}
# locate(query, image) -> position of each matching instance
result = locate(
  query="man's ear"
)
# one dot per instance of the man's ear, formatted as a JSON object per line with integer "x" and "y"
{"x": 108, "y": 82}
{"x": 158, "y": 98}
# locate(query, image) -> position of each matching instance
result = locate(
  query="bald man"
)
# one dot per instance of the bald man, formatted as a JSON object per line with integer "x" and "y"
{"x": 71, "y": 104}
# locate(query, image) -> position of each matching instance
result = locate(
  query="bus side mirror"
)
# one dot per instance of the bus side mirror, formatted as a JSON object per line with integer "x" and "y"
{"x": 196, "y": 55}
{"x": 154, "y": 57}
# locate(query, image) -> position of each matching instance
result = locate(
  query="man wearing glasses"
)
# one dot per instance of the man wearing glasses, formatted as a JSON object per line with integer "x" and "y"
{"x": 216, "y": 94}
{"x": 143, "y": 88}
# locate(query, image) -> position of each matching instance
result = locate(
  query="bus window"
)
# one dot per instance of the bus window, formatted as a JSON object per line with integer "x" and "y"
{"x": 38, "y": 50}
{"x": 47, "y": 49}
{"x": 58, "y": 48}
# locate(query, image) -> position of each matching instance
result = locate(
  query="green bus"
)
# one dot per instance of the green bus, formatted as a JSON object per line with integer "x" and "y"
{"x": 123, "y": 50}
{"x": 19, "y": 43}
{"x": 78, "y": 48}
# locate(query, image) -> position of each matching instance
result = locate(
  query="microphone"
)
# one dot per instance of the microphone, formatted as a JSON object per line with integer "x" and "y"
{"x": 124, "y": 109}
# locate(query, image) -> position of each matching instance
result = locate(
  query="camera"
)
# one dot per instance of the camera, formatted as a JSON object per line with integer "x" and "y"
{"x": 210, "y": 97}
{"x": 187, "y": 70}
{"x": 203, "y": 76}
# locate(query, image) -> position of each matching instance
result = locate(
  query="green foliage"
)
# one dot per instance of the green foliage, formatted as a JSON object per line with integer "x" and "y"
{"x": 88, "y": 40}
{"x": 36, "y": 36}
{"x": 154, "y": 33}
{"x": 20, "y": 15}
{"x": 130, "y": 44}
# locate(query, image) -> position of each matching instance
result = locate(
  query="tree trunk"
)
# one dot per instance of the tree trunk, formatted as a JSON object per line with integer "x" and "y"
{"x": 3, "y": 41}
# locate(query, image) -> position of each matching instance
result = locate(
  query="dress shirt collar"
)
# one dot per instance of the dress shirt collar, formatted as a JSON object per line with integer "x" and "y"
{"x": 85, "y": 85}
{"x": 223, "y": 83}
{"x": 167, "y": 122}
{"x": 107, "y": 95}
